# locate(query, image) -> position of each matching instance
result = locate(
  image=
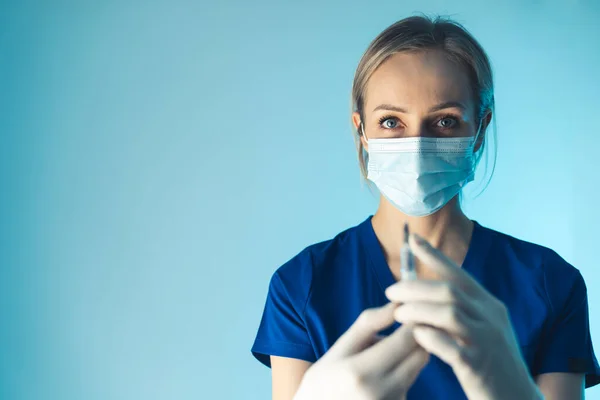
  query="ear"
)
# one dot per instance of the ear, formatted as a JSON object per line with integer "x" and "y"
{"x": 485, "y": 122}
{"x": 487, "y": 118}
{"x": 356, "y": 121}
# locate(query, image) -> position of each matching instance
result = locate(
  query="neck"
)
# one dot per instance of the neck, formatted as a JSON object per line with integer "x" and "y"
{"x": 448, "y": 229}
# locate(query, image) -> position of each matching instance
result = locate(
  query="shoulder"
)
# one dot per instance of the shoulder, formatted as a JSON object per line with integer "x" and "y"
{"x": 528, "y": 252}
{"x": 560, "y": 279}
{"x": 298, "y": 274}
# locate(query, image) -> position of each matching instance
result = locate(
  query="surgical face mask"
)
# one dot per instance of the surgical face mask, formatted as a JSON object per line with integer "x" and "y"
{"x": 419, "y": 175}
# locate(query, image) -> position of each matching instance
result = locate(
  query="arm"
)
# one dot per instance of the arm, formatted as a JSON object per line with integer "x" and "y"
{"x": 561, "y": 386}
{"x": 566, "y": 363}
{"x": 286, "y": 374}
{"x": 565, "y": 353}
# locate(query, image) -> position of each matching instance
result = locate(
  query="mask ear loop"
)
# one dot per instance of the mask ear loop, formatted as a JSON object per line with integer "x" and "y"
{"x": 363, "y": 132}
{"x": 477, "y": 136}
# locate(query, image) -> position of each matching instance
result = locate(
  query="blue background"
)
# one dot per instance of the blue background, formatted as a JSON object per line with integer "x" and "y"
{"x": 159, "y": 160}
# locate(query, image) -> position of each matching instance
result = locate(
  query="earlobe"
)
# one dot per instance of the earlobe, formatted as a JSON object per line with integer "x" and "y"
{"x": 485, "y": 122}
{"x": 363, "y": 137}
{"x": 480, "y": 139}
{"x": 358, "y": 125}
{"x": 364, "y": 143}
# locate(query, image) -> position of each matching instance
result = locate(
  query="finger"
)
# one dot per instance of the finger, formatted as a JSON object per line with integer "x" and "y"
{"x": 374, "y": 339}
{"x": 430, "y": 291}
{"x": 378, "y": 338}
{"x": 442, "y": 316}
{"x": 402, "y": 377}
{"x": 387, "y": 353}
{"x": 442, "y": 345}
{"x": 363, "y": 331}
{"x": 438, "y": 262}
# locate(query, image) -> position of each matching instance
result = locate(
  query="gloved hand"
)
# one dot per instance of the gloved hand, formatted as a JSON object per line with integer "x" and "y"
{"x": 362, "y": 365}
{"x": 459, "y": 321}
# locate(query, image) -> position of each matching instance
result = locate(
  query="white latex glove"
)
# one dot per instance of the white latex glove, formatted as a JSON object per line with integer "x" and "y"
{"x": 362, "y": 365}
{"x": 459, "y": 321}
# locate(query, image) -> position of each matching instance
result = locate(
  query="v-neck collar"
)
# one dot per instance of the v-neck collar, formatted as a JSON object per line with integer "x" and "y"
{"x": 473, "y": 262}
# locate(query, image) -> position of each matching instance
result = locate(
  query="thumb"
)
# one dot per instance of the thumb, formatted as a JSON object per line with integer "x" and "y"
{"x": 363, "y": 331}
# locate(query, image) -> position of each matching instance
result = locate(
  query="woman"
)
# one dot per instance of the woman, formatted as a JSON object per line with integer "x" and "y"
{"x": 490, "y": 317}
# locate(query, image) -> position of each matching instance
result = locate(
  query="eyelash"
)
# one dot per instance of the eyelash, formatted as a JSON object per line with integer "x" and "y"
{"x": 446, "y": 116}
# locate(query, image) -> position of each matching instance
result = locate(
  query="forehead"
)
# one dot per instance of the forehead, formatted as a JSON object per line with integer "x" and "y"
{"x": 418, "y": 80}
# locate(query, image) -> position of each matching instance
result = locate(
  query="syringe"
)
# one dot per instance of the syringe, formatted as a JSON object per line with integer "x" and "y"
{"x": 407, "y": 264}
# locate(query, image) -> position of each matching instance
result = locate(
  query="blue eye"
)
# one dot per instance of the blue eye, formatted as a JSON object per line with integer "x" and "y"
{"x": 386, "y": 119}
{"x": 447, "y": 122}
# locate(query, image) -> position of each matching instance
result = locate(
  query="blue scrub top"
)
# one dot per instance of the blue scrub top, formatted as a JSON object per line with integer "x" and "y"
{"x": 315, "y": 297}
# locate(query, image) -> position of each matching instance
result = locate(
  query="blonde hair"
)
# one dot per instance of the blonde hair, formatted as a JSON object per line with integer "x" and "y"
{"x": 421, "y": 33}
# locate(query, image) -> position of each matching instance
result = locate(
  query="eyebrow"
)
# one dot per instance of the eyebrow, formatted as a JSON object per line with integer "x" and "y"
{"x": 441, "y": 106}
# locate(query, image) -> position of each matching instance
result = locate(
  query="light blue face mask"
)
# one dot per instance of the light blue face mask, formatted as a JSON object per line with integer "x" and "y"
{"x": 420, "y": 175}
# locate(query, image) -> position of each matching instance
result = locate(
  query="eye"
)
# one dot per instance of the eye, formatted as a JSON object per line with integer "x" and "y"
{"x": 388, "y": 122}
{"x": 447, "y": 122}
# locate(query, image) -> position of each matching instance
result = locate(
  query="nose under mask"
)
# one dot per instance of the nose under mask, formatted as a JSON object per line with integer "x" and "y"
{"x": 420, "y": 175}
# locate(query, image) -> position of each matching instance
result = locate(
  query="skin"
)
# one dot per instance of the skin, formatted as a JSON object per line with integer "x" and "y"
{"x": 421, "y": 85}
